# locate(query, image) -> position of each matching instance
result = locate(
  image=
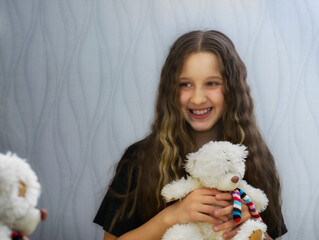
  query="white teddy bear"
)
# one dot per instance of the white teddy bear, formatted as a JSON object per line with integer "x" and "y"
{"x": 19, "y": 193}
{"x": 219, "y": 165}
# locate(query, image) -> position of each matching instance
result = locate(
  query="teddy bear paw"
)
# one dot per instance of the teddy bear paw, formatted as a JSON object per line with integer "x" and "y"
{"x": 256, "y": 235}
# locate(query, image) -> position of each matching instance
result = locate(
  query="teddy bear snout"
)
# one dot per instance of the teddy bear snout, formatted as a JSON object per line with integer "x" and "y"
{"x": 235, "y": 179}
{"x": 44, "y": 214}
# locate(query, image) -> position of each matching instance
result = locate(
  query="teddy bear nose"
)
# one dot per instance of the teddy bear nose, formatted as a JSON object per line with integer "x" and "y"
{"x": 44, "y": 214}
{"x": 235, "y": 179}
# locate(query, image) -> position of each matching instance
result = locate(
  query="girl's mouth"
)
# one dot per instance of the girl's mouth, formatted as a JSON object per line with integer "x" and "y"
{"x": 199, "y": 114}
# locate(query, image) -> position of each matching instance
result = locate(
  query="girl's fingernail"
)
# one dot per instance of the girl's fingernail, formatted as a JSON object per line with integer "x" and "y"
{"x": 215, "y": 229}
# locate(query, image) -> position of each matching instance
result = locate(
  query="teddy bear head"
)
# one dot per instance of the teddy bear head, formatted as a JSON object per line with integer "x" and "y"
{"x": 19, "y": 193}
{"x": 219, "y": 165}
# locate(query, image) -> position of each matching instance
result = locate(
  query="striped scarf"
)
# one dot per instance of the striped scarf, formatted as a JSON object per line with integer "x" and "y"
{"x": 239, "y": 194}
{"x": 16, "y": 236}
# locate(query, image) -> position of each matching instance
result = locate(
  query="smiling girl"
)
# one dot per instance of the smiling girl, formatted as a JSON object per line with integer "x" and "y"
{"x": 202, "y": 96}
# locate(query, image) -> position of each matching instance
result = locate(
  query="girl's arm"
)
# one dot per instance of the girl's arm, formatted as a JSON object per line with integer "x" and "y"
{"x": 109, "y": 236}
{"x": 197, "y": 206}
{"x": 268, "y": 237}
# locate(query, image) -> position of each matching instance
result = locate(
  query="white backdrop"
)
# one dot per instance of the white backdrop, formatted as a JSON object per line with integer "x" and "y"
{"x": 78, "y": 80}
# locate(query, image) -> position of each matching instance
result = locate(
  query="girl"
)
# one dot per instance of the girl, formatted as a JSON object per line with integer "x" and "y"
{"x": 203, "y": 95}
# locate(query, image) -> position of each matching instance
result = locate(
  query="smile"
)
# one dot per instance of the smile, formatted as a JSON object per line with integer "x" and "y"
{"x": 200, "y": 113}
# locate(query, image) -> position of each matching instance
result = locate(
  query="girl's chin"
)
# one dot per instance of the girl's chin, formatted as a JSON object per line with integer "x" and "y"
{"x": 201, "y": 128}
{"x": 204, "y": 127}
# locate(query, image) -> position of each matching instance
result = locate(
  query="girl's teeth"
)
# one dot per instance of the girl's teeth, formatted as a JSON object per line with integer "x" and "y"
{"x": 201, "y": 112}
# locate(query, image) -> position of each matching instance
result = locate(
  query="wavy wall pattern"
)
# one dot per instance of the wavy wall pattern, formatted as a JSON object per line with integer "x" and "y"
{"x": 78, "y": 81}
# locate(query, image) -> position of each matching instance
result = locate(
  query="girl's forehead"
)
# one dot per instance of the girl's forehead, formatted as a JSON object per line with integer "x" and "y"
{"x": 201, "y": 63}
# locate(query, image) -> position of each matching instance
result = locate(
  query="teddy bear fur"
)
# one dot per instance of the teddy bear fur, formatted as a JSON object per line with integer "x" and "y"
{"x": 213, "y": 166}
{"x": 17, "y": 213}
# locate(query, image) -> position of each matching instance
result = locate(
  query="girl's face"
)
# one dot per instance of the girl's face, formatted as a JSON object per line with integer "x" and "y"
{"x": 201, "y": 91}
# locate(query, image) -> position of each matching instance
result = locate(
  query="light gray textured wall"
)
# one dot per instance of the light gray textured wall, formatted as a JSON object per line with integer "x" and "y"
{"x": 78, "y": 79}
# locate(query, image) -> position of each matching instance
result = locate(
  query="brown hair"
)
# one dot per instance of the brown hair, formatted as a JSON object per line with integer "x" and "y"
{"x": 158, "y": 159}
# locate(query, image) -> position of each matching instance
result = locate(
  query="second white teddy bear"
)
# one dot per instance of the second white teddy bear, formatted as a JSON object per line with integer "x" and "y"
{"x": 19, "y": 193}
{"x": 219, "y": 165}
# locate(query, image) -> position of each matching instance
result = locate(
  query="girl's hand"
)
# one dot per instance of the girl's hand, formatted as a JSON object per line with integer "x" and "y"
{"x": 197, "y": 206}
{"x": 230, "y": 224}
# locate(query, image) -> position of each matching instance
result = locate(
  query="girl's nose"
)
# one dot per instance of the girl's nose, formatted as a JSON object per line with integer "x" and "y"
{"x": 198, "y": 97}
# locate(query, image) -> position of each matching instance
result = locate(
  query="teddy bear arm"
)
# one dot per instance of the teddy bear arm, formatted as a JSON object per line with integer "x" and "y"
{"x": 5, "y": 232}
{"x": 257, "y": 196}
{"x": 179, "y": 189}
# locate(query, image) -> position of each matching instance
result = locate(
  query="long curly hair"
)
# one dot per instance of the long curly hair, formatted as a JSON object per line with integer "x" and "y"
{"x": 159, "y": 157}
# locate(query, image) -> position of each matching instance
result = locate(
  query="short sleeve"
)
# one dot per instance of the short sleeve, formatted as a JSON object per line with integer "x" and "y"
{"x": 111, "y": 204}
{"x": 276, "y": 233}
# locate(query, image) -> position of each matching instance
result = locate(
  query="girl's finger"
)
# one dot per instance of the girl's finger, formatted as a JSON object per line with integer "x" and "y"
{"x": 224, "y": 196}
{"x": 210, "y": 200}
{"x": 225, "y": 225}
{"x": 232, "y": 233}
{"x": 222, "y": 204}
{"x": 206, "y": 209}
{"x": 224, "y": 211}
{"x": 224, "y": 218}
{"x": 207, "y": 191}
{"x": 200, "y": 217}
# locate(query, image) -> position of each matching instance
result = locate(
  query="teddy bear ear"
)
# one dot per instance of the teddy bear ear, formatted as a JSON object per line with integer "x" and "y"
{"x": 22, "y": 189}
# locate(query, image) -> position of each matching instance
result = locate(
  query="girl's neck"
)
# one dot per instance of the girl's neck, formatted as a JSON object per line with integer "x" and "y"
{"x": 203, "y": 137}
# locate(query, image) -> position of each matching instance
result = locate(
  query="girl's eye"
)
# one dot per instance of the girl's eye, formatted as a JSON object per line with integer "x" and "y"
{"x": 212, "y": 83}
{"x": 184, "y": 84}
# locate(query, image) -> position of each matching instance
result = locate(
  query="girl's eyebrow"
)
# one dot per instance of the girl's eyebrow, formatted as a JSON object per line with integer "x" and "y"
{"x": 210, "y": 77}
{"x": 215, "y": 77}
